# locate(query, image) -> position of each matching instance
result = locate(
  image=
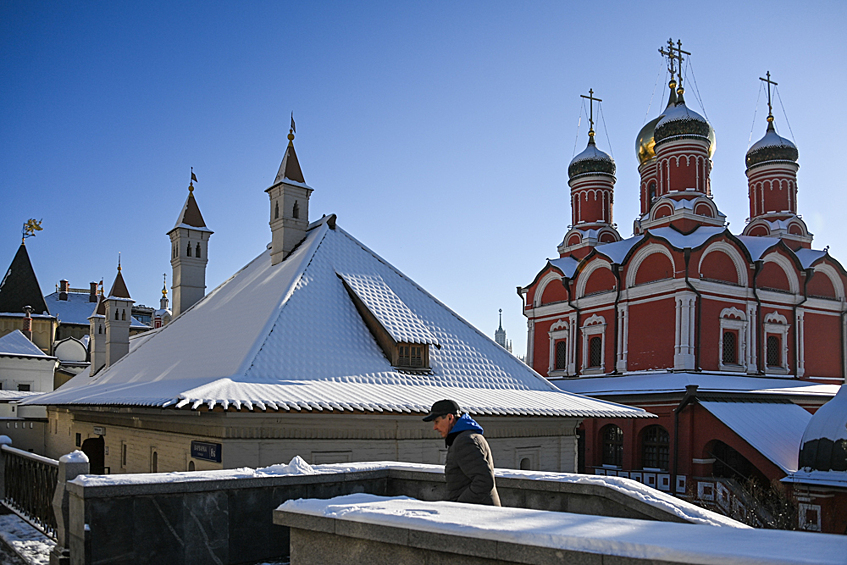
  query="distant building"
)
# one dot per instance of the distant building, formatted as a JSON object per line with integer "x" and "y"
{"x": 500, "y": 336}
{"x": 733, "y": 340}
{"x": 317, "y": 347}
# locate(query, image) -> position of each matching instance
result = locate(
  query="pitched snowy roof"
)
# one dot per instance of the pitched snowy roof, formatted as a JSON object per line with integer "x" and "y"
{"x": 190, "y": 216}
{"x": 16, "y": 344}
{"x": 119, "y": 289}
{"x": 618, "y": 250}
{"x": 75, "y": 310}
{"x": 567, "y": 265}
{"x": 304, "y": 346}
{"x": 774, "y": 429}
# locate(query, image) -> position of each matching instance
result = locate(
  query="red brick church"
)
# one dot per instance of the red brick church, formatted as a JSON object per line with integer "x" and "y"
{"x": 733, "y": 340}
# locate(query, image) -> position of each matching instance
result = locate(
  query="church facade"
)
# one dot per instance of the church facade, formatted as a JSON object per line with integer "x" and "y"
{"x": 722, "y": 335}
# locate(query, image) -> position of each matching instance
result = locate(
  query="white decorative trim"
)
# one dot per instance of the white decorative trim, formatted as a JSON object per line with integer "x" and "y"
{"x": 623, "y": 337}
{"x": 559, "y": 331}
{"x": 788, "y": 268}
{"x": 832, "y": 274}
{"x": 734, "y": 255}
{"x": 594, "y": 326}
{"x": 733, "y": 319}
{"x": 753, "y": 359}
{"x": 775, "y": 323}
{"x": 799, "y": 345}
{"x": 542, "y": 286}
{"x": 586, "y": 273}
{"x": 683, "y": 357}
{"x": 639, "y": 258}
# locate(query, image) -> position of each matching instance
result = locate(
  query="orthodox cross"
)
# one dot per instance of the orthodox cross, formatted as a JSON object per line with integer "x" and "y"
{"x": 770, "y": 82}
{"x": 674, "y": 53}
{"x": 591, "y": 101}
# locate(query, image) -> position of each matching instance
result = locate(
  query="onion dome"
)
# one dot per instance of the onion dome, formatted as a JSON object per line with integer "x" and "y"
{"x": 824, "y": 445}
{"x": 681, "y": 120}
{"x": 772, "y": 147}
{"x": 645, "y": 142}
{"x": 591, "y": 161}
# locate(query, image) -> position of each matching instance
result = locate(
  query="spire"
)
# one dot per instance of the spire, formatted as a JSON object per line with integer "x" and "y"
{"x": 190, "y": 214}
{"x": 289, "y": 169}
{"x": 119, "y": 289}
{"x": 501, "y": 319}
{"x": 19, "y": 287}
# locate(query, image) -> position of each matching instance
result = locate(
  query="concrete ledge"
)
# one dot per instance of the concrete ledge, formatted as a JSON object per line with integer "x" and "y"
{"x": 400, "y": 529}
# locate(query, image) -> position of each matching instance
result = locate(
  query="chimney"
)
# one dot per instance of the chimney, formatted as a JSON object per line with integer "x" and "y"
{"x": 27, "y": 331}
{"x": 63, "y": 289}
{"x": 92, "y": 292}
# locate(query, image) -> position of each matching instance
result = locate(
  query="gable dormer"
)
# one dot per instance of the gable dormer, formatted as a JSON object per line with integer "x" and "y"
{"x": 402, "y": 336}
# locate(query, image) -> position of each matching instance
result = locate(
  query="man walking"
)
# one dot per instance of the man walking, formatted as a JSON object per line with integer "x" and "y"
{"x": 469, "y": 469}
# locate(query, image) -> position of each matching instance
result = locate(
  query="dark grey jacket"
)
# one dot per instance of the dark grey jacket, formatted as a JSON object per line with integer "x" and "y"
{"x": 470, "y": 469}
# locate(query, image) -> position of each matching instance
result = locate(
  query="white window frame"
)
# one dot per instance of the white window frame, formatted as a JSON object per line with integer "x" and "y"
{"x": 776, "y": 324}
{"x": 560, "y": 331}
{"x": 735, "y": 320}
{"x": 594, "y": 326}
{"x": 804, "y": 508}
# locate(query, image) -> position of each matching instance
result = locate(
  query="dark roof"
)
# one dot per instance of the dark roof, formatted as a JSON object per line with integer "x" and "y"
{"x": 191, "y": 215}
{"x": 119, "y": 287}
{"x": 290, "y": 167}
{"x": 20, "y": 287}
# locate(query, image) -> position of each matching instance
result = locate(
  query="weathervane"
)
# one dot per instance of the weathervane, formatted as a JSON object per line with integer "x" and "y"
{"x": 192, "y": 181}
{"x": 591, "y": 101}
{"x": 30, "y": 227}
{"x": 769, "y": 82}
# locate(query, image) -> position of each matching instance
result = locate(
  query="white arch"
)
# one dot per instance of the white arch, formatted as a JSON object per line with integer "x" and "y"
{"x": 786, "y": 265}
{"x": 775, "y": 318}
{"x": 734, "y": 255}
{"x": 733, "y": 312}
{"x": 834, "y": 278}
{"x": 582, "y": 281}
{"x": 542, "y": 285}
{"x": 639, "y": 258}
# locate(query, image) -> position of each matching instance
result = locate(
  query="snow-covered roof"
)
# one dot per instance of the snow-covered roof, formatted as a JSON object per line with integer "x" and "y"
{"x": 774, "y": 429}
{"x": 818, "y": 478}
{"x": 757, "y": 246}
{"x": 567, "y": 265}
{"x": 680, "y": 112}
{"x": 808, "y": 257}
{"x": 661, "y": 382}
{"x": 16, "y": 395}
{"x": 830, "y": 421}
{"x": 300, "y": 344}
{"x": 16, "y": 344}
{"x": 77, "y": 309}
{"x": 618, "y": 250}
{"x": 693, "y": 240}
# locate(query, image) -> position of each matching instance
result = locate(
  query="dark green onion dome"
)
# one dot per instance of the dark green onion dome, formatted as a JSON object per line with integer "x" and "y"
{"x": 824, "y": 444}
{"x": 772, "y": 147}
{"x": 591, "y": 161}
{"x": 682, "y": 120}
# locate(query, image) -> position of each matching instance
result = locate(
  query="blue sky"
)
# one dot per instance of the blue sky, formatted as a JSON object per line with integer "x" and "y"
{"x": 439, "y": 133}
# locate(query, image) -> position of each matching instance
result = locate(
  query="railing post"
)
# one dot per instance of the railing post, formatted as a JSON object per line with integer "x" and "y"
{"x": 70, "y": 465}
{"x": 4, "y": 440}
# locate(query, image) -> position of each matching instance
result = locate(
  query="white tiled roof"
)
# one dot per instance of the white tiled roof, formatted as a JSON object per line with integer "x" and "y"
{"x": 77, "y": 309}
{"x": 289, "y": 337}
{"x": 17, "y": 344}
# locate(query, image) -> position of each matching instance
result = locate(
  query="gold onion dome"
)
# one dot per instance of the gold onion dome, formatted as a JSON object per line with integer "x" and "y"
{"x": 676, "y": 110}
{"x": 591, "y": 161}
{"x": 772, "y": 147}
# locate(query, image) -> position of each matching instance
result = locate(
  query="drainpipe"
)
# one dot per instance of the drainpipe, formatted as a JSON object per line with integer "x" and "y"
{"x": 809, "y": 273}
{"x": 759, "y": 367}
{"x": 566, "y": 282}
{"x": 687, "y": 255}
{"x": 689, "y": 396}
{"x": 616, "y": 269}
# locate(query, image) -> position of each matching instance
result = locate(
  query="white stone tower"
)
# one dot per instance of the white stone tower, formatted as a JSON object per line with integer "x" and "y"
{"x": 118, "y": 312}
{"x": 189, "y": 254}
{"x": 289, "y": 200}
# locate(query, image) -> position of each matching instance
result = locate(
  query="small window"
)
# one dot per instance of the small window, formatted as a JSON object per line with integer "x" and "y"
{"x": 612, "y": 445}
{"x": 188, "y": 250}
{"x": 117, "y": 315}
{"x": 773, "y": 353}
{"x": 730, "y": 348}
{"x": 123, "y": 454}
{"x": 412, "y": 355}
{"x": 23, "y": 388}
{"x": 191, "y": 466}
{"x": 526, "y": 464}
{"x": 123, "y": 315}
{"x": 78, "y": 440}
{"x": 295, "y": 213}
{"x": 595, "y": 351}
{"x": 651, "y": 192}
{"x": 197, "y": 250}
{"x": 276, "y": 210}
{"x": 655, "y": 443}
{"x": 154, "y": 462}
{"x": 561, "y": 354}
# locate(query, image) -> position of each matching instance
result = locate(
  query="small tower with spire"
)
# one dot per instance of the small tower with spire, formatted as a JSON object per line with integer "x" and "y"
{"x": 591, "y": 177}
{"x": 189, "y": 253}
{"x": 289, "y": 204}
{"x": 163, "y": 315}
{"x": 772, "y": 185}
{"x": 500, "y": 335}
{"x": 118, "y": 317}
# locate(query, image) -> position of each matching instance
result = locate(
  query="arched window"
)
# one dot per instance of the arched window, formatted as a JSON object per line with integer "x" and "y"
{"x": 595, "y": 351}
{"x": 651, "y": 192}
{"x": 612, "y": 445}
{"x": 655, "y": 443}
{"x": 123, "y": 315}
{"x": 276, "y": 210}
{"x": 188, "y": 251}
{"x": 197, "y": 250}
{"x": 295, "y": 213}
{"x": 773, "y": 351}
{"x": 191, "y": 465}
{"x": 526, "y": 464}
{"x": 117, "y": 316}
{"x": 561, "y": 354}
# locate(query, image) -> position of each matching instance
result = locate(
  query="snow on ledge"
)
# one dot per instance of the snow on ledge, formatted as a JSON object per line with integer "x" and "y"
{"x": 74, "y": 457}
{"x": 635, "y": 539}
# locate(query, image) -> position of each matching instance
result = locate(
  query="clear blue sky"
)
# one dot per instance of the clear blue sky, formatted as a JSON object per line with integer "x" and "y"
{"x": 438, "y": 132}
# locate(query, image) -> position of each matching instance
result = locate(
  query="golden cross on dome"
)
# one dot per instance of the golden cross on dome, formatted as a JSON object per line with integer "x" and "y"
{"x": 770, "y": 82}
{"x": 591, "y": 101}
{"x": 674, "y": 53}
